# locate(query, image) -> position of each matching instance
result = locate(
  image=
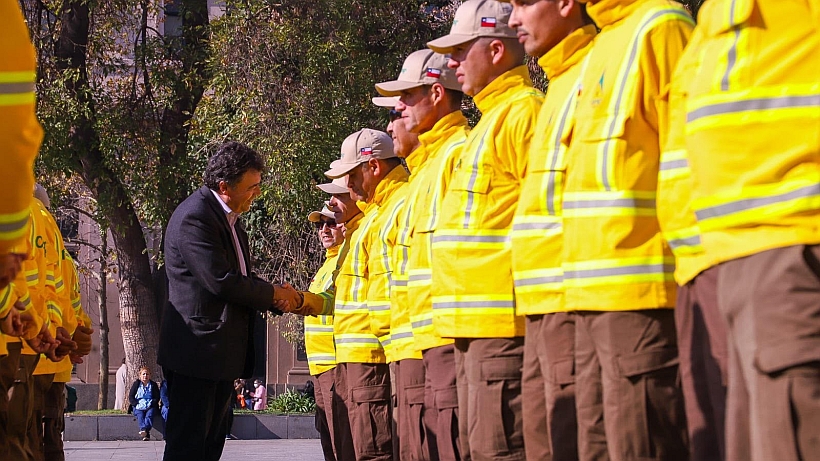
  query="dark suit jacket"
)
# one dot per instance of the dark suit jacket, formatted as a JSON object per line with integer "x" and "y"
{"x": 207, "y": 324}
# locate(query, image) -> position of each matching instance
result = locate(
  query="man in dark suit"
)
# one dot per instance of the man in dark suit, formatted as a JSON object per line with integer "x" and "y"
{"x": 206, "y": 335}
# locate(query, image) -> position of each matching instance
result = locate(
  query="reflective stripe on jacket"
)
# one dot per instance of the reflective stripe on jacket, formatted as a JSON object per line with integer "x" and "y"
{"x": 614, "y": 255}
{"x": 442, "y": 145}
{"x": 353, "y": 334}
{"x": 20, "y": 132}
{"x": 472, "y": 259}
{"x": 321, "y": 352}
{"x": 537, "y": 236}
{"x": 753, "y": 126}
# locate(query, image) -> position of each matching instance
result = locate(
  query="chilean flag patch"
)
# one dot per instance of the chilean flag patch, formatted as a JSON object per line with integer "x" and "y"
{"x": 488, "y": 22}
{"x": 433, "y": 72}
{"x": 366, "y": 151}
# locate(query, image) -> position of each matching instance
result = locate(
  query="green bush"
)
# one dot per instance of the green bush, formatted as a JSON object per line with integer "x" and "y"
{"x": 292, "y": 402}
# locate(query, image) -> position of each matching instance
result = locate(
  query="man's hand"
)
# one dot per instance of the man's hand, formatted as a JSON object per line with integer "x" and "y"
{"x": 67, "y": 345}
{"x": 82, "y": 336}
{"x": 15, "y": 323}
{"x": 10, "y": 265}
{"x": 43, "y": 343}
{"x": 286, "y": 298}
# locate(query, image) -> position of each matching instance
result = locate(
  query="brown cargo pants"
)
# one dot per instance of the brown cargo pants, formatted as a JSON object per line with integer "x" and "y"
{"x": 441, "y": 400}
{"x": 365, "y": 391}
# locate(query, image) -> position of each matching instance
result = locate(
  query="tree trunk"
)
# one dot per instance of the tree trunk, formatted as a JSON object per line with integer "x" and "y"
{"x": 137, "y": 311}
{"x": 102, "y": 299}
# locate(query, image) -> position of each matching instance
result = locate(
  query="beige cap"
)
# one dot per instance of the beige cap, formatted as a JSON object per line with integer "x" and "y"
{"x": 41, "y": 195}
{"x": 315, "y": 216}
{"x": 474, "y": 19}
{"x": 388, "y": 103}
{"x": 423, "y": 67}
{"x": 337, "y": 186}
{"x": 360, "y": 147}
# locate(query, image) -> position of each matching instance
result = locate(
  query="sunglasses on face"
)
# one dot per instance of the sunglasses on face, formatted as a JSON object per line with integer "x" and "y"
{"x": 318, "y": 225}
{"x": 394, "y": 114}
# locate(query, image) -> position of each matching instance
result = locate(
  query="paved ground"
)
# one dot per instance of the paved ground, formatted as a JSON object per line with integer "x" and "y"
{"x": 239, "y": 450}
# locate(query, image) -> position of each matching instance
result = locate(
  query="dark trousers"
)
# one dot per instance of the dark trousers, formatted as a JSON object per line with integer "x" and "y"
{"x": 416, "y": 426}
{"x": 323, "y": 392}
{"x": 365, "y": 390}
{"x": 54, "y": 423}
{"x": 42, "y": 385}
{"x": 703, "y": 365}
{"x": 197, "y": 417}
{"x": 548, "y": 388}
{"x": 441, "y": 399}
{"x": 21, "y": 410}
{"x": 9, "y": 364}
{"x": 771, "y": 303}
{"x": 629, "y": 404}
{"x": 489, "y": 393}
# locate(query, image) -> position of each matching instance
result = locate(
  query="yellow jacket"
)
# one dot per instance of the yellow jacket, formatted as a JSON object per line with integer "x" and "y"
{"x": 355, "y": 337}
{"x": 321, "y": 353}
{"x": 675, "y": 214}
{"x": 537, "y": 236}
{"x": 472, "y": 277}
{"x": 72, "y": 286}
{"x": 614, "y": 255}
{"x": 20, "y": 132}
{"x": 753, "y": 112}
{"x": 441, "y": 145}
{"x": 382, "y": 240}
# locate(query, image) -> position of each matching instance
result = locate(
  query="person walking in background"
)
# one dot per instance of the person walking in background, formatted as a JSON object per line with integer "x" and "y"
{"x": 144, "y": 398}
{"x": 120, "y": 384}
{"x": 259, "y": 396}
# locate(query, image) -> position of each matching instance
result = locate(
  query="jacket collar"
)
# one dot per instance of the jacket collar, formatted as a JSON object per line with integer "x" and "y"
{"x": 608, "y": 12}
{"x": 441, "y": 132}
{"x": 497, "y": 91}
{"x": 566, "y": 54}
{"x": 333, "y": 251}
{"x": 389, "y": 184}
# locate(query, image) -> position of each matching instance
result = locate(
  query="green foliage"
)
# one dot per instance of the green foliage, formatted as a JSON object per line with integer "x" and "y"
{"x": 292, "y": 401}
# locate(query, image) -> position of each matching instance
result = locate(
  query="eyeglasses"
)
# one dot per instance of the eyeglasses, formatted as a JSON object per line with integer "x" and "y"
{"x": 320, "y": 224}
{"x": 394, "y": 114}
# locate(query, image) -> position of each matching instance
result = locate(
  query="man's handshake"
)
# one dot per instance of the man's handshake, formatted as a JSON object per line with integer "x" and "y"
{"x": 286, "y": 298}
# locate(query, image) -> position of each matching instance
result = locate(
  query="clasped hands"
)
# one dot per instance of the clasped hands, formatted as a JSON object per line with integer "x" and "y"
{"x": 287, "y": 299}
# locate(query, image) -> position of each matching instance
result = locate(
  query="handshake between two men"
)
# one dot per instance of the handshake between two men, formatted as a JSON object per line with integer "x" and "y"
{"x": 287, "y": 299}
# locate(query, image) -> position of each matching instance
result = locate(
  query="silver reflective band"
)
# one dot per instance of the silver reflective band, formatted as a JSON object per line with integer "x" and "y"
{"x": 357, "y": 340}
{"x": 32, "y": 277}
{"x": 318, "y": 329}
{"x": 614, "y": 203}
{"x": 386, "y": 341}
{"x": 399, "y": 283}
{"x": 625, "y": 270}
{"x": 471, "y": 238}
{"x": 420, "y": 277}
{"x": 316, "y": 358}
{"x": 536, "y": 226}
{"x": 474, "y": 304}
{"x": 673, "y": 164}
{"x": 746, "y": 105}
{"x": 731, "y": 58}
{"x": 17, "y": 88}
{"x": 378, "y": 308}
{"x": 538, "y": 281}
{"x": 422, "y": 323}
{"x": 684, "y": 242}
{"x": 355, "y": 307}
{"x": 13, "y": 226}
{"x": 752, "y": 203}
{"x": 408, "y": 334}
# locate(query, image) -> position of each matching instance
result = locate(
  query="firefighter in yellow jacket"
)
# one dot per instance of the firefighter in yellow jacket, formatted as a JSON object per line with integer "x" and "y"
{"x": 20, "y": 134}
{"x": 473, "y": 292}
{"x": 430, "y": 108}
{"x": 618, "y": 270}
{"x": 753, "y": 143}
{"x": 560, "y": 35}
{"x": 377, "y": 180}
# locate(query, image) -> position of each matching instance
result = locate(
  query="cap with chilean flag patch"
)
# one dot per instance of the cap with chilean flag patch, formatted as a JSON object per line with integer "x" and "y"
{"x": 366, "y": 151}
{"x": 432, "y": 72}
{"x": 488, "y": 22}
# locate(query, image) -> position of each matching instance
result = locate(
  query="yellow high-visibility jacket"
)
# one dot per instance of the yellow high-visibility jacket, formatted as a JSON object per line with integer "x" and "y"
{"x": 353, "y": 334}
{"x": 381, "y": 243}
{"x": 753, "y": 126}
{"x": 20, "y": 133}
{"x": 442, "y": 145}
{"x": 18, "y": 289}
{"x": 38, "y": 270}
{"x": 321, "y": 352}
{"x": 675, "y": 213}
{"x": 72, "y": 286}
{"x": 59, "y": 308}
{"x": 472, "y": 259}
{"x": 615, "y": 257}
{"x": 537, "y": 236}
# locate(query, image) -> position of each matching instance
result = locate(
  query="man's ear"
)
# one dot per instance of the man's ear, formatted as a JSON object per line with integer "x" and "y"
{"x": 437, "y": 93}
{"x": 565, "y": 7}
{"x": 375, "y": 167}
{"x": 497, "y": 48}
{"x": 223, "y": 187}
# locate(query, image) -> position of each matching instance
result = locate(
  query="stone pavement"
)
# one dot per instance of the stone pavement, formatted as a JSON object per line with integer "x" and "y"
{"x": 235, "y": 450}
